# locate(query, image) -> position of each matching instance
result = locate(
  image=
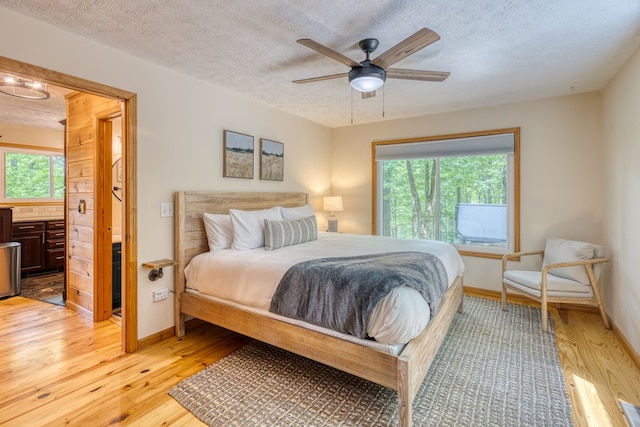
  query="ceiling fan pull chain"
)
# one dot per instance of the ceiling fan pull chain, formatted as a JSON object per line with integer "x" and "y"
{"x": 383, "y": 101}
{"x": 351, "y": 90}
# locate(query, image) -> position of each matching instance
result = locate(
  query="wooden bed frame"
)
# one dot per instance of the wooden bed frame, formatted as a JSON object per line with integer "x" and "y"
{"x": 403, "y": 373}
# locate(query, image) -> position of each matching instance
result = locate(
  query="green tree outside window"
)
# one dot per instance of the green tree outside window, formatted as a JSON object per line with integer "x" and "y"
{"x": 34, "y": 176}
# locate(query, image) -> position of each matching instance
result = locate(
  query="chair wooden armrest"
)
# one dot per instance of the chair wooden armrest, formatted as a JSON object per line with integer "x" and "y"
{"x": 584, "y": 262}
{"x": 519, "y": 254}
{"x": 513, "y": 256}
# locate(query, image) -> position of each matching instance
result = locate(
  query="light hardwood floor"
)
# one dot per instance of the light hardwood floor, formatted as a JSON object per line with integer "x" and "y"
{"x": 57, "y": 368}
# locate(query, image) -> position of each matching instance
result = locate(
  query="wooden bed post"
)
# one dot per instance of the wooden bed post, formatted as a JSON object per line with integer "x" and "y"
{"x": 461, "y": 306}
{"x": 179, "y": 280}
{"x": 405, "y": 394}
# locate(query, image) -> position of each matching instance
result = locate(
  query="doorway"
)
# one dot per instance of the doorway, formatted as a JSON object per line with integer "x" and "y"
{"x": 128, "y": 105}
{"x": 108, "y": 219}
{"x": 117, "y": 189}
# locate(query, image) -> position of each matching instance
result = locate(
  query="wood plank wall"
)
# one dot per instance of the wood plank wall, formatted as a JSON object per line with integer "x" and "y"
{"x": 82, "y": 157}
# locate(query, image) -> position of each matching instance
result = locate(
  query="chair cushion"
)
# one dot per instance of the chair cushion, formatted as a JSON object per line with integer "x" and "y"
{"x": 531, "y": 283}
{"x": 561, "y": 250}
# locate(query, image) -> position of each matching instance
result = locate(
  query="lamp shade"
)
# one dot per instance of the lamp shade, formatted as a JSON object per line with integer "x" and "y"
{"x": 332, "y": 204}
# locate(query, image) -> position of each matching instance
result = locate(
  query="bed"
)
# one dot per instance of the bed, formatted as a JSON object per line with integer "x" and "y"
{"x": 403, "y": 372}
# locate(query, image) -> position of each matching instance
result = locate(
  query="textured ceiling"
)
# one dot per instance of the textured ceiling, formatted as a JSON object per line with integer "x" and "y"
{"x": 45, "y": 113}
{"x": 497, "y": 51}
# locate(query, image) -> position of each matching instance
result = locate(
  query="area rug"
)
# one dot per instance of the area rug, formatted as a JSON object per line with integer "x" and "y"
{"x": 494, "y": 368}
{"x": 46, "y": 287}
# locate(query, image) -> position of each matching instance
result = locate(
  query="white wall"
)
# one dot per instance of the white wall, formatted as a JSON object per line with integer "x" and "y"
{"x": 561, "y": 169}
{"x": 621, "y": 128}
{"x": 180, "y": 124}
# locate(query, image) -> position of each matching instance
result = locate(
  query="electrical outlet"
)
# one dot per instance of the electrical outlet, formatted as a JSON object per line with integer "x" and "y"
{"x": 160, "y": 294}
{"x": 166, "y": 209}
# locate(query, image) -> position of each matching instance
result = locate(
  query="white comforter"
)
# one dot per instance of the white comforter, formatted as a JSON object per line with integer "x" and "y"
{"x": 250, "y": 277}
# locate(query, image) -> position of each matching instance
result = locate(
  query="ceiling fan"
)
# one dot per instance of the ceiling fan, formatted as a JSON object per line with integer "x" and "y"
{"x": 369, "y": 75}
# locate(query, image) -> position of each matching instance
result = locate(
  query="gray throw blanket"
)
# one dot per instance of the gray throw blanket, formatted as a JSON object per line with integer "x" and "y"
{"x": 341, "y": 293}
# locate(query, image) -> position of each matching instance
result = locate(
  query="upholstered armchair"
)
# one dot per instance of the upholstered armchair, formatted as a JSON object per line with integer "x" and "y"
{"x": 570, "y": 272}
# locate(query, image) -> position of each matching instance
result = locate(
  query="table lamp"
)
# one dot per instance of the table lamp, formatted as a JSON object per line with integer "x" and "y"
{"x": 333, "y": 204}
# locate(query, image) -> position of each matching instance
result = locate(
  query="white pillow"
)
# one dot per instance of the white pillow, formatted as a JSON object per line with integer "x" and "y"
{"x": 219, "y": 231}
{"x": 278, "y": 234}
{"x": 561, "y": 250}
{"x": 291, "y": 214}
{"x": 248, "y": 226}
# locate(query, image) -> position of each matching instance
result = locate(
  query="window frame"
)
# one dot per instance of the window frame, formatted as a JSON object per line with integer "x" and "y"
{"x": 38, "y": 151}
{"x": 513, "y": 198}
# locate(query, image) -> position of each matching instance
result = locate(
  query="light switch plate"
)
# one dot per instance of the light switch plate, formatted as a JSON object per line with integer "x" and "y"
{"x": 166, "y": 209}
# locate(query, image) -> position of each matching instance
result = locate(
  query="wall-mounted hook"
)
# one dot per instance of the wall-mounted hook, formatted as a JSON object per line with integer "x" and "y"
{"x": 82, "y": 206}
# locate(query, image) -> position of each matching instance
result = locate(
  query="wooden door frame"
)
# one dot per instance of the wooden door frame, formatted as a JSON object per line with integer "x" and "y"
{"x": 103, "y": 280}
{"x": 129, "y": 149}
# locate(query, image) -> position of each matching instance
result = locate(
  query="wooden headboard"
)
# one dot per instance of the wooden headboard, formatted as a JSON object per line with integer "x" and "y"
{"x": 190, "y": 238}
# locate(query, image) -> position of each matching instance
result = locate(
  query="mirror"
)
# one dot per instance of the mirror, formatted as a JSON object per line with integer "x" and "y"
{"x": 116, "y": 178}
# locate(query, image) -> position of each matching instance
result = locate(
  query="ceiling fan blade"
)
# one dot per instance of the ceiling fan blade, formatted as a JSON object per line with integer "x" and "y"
{"x": 317, "y": 79}
{"x": 366, "y": 95}
{"x": 406, "y": 47}
{"x": 328, "y": 52}
{"x": 406, "y": 74}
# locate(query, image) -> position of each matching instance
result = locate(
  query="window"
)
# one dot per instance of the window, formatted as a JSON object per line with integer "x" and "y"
{"x": 32, "y": 175}
{"x": 461, "y": 189}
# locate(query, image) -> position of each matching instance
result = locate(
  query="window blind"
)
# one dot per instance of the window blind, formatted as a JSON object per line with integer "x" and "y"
{"x": 471, "y": 146}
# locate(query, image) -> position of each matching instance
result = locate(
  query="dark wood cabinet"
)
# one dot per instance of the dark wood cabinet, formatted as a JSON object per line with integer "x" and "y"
{"x": 6, "y": 218}
{"x": 116, "y": 275}
{"x": 55, "y": 244}
{"x": 30, "y": 235}
{"x": 42, "y": 244}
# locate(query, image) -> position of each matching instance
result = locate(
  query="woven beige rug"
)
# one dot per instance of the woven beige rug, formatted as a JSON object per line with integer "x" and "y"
{"x": 494, "y": 368}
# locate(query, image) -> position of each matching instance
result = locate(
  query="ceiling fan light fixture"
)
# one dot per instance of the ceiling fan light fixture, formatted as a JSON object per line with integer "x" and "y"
{"x": 23, "y": 88}
{"x": 367, "y": 79}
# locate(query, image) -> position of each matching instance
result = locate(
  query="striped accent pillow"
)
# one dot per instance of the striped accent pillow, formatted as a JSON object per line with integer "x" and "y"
{"x": 278, "y": 234}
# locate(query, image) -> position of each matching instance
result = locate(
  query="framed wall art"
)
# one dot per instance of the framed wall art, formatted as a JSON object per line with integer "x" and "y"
{"x": 238, "y": 155}
{"x": 271, "y": 160}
